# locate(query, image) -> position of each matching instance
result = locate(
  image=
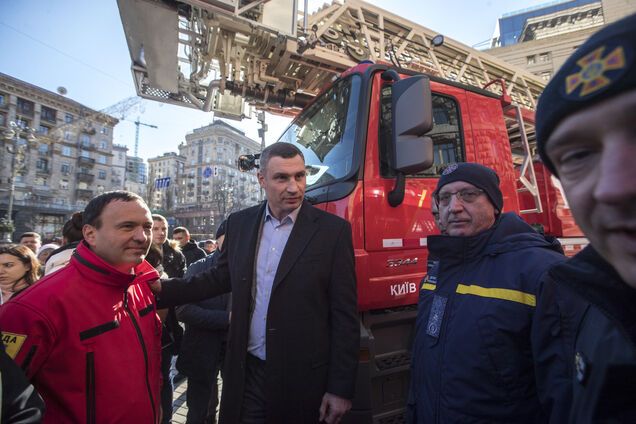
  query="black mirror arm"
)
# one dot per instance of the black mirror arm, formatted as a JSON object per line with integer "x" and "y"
{"x": 396, "y": 196}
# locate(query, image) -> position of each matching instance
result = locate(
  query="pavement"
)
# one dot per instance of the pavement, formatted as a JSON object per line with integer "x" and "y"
{"x": 179, "y": 407}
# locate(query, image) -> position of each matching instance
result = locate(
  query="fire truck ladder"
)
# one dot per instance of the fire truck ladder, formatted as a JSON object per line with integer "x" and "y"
{"x": 214, "y": 55}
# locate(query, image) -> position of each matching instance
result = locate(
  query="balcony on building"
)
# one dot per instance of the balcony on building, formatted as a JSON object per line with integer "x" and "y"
{"x": 84, "y": 194}
{"x": 86, "y": 146}
{"x": 84, "y": 161}
{"x": 85, "y": 177}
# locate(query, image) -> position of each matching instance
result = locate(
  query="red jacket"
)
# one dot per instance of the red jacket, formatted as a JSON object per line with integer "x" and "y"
{"x": 88, "y": 338}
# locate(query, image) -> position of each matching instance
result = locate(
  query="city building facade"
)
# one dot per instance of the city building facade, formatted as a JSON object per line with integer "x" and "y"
{"x": 165, "y": 171}
{"x": 211, "y": 186}
{"x": 57, "y": 152}
{"x": 119, "y": 166}
{"x": 136, "y": 177}
{"x": 540, "y": 39}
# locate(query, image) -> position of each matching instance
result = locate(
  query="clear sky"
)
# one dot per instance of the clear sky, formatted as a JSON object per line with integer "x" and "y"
{"x": 80, "y": 45}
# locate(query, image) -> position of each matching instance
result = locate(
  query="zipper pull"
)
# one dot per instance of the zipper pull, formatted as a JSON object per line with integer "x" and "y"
{"x": 126, "y": 299}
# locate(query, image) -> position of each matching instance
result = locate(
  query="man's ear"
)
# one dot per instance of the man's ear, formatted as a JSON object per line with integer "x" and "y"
{"x": 261, "y": 179}
{"x": 89, "y": 233}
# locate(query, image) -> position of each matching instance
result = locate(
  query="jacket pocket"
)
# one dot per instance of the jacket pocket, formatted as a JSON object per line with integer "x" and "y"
{"x": 100, "y": 329}
{"x": 510, "y": 358}
{"x": 90, "y": 387}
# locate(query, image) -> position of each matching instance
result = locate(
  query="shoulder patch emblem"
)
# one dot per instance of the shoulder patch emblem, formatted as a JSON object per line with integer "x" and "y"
{"x": 593, "y": 68}
{"x": 12, "y": 343}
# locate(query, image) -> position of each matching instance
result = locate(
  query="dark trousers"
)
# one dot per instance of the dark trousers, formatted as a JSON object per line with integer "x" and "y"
{"x": 166, "y": 387}
{"x": 254, "y": 402}
{"x": 202, "y": 398}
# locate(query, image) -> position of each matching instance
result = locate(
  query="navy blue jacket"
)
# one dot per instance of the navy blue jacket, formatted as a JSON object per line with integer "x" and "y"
{"x": 206, "y": 323}
{"x": 598, "y": 329}
{"x": 472, "y": 355}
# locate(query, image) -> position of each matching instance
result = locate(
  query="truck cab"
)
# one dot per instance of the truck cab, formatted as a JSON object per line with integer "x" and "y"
{"x": 375, "y": 143}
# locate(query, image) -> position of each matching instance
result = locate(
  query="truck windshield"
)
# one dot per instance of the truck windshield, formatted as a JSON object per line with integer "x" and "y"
{"x": 325, "y": 132}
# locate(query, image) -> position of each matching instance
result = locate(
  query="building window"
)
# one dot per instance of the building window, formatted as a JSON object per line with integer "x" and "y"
{"x": 101, "y": 159}
{"x": 25, "y": 107}
{"x": 63, "y": 184}
{"x": 85, "y": 153}
{"x": 101, "y": 175}
{"x": 43, "y": 148}
{"x": 48, "y": 114}
{"x": 42, "y": 164}
{"x": 85, "y": 140}
{"x": 66, "y": 168}
{"x": 2, "y": 97}
{"x": 531, "y": 60}
{"x": 68, "y": 136}
{"x": 545, "y": 76}
{"x": 544, "y": 57}
{"x": 68, "y": 118}
{"x": 41, "y": 181}
{"x": 104, "y": 131}
{"x": 66, "y": 151}
{"x": 3, "y": 120}
{"x": 103, "y": 145}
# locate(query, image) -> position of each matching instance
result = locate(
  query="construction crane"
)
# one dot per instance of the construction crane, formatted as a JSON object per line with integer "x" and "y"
{"x": 137, "y": 124}
{"x": 214, "y": 55}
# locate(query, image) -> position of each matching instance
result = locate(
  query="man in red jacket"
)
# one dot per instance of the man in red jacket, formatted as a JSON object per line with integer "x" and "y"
{"x": 88, "y": 336}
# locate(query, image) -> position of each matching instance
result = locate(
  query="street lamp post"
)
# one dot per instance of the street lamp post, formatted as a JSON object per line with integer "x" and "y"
{"x": 18, "y": 162}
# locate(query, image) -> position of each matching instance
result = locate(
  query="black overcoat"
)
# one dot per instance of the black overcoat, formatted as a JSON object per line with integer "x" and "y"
{"x": 312, "y": 325}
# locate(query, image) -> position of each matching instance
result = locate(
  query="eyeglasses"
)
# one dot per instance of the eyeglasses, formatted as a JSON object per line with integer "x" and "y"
{"x": 467, "y": 195}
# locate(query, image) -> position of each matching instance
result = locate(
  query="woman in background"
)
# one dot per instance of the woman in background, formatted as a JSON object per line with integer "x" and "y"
{"x": 19, "y": 268}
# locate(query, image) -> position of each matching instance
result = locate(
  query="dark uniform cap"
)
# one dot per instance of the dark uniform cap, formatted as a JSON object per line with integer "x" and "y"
{"x": 478, "y": 175}
{"x": 601, "y": 68}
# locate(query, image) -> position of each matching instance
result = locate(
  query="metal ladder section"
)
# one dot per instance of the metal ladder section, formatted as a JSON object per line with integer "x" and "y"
{"x": 523, "y": 151}
{"x": 189, "y": 52}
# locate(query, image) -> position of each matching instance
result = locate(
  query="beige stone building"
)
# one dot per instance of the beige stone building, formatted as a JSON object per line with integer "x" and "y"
{"x": 164, "y": 173}
{"x": 541, "y": 39}
{"x": 212, "y": 186}
{"x": 62, "y": 156}
{"x": 136, "y": 177}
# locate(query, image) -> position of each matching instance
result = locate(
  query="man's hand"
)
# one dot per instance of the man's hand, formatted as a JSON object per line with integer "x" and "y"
{"x": 333, "y": 408}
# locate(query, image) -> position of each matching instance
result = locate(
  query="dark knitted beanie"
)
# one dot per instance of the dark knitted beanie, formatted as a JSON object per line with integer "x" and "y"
{"x": 478, "y": 175}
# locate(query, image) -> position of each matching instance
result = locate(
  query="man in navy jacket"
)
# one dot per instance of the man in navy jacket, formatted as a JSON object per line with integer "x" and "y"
{"x": 472, "y": 355}
{"x": 203, "y": 343}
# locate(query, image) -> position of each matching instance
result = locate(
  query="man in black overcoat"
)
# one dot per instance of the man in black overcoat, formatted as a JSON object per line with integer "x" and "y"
{"x": 294, "y": 337}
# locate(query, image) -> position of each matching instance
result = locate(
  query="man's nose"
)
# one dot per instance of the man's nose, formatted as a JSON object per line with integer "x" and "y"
{"x": 616, "y": 179}
{"x": 455, "y": 204}
{"x": 292, "y": 186}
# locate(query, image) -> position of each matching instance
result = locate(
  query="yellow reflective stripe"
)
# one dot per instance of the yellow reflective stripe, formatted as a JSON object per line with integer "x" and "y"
{"x": 505, "y": 294}
{"x": 428, "y": 286}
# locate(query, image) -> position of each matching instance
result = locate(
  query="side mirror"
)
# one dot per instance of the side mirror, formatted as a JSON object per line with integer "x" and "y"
{"x": 412, "y": 118}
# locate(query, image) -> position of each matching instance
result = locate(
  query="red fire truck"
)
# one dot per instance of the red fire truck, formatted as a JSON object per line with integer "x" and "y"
{"x": 375, "y": 143}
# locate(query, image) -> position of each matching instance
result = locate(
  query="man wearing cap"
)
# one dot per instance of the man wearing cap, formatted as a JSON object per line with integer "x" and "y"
{"x": 472, "y": 356}
{"x": 586, "y": 135}
{"x": 206, "y": 323}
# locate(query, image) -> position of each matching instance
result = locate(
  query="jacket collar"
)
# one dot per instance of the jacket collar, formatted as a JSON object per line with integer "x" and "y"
{"x": 509, "y": 233}
{"x": 95, "y": 268}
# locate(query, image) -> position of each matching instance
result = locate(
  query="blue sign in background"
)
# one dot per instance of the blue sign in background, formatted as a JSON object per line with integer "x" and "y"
{"x": 207, "y": 172}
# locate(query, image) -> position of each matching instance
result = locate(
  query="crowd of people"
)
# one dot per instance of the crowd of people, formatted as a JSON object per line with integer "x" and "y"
{"x": 508, "y": 330}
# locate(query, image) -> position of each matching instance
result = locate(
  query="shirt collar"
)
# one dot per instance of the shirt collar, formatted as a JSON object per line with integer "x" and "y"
{"x": 293, "y": 215}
